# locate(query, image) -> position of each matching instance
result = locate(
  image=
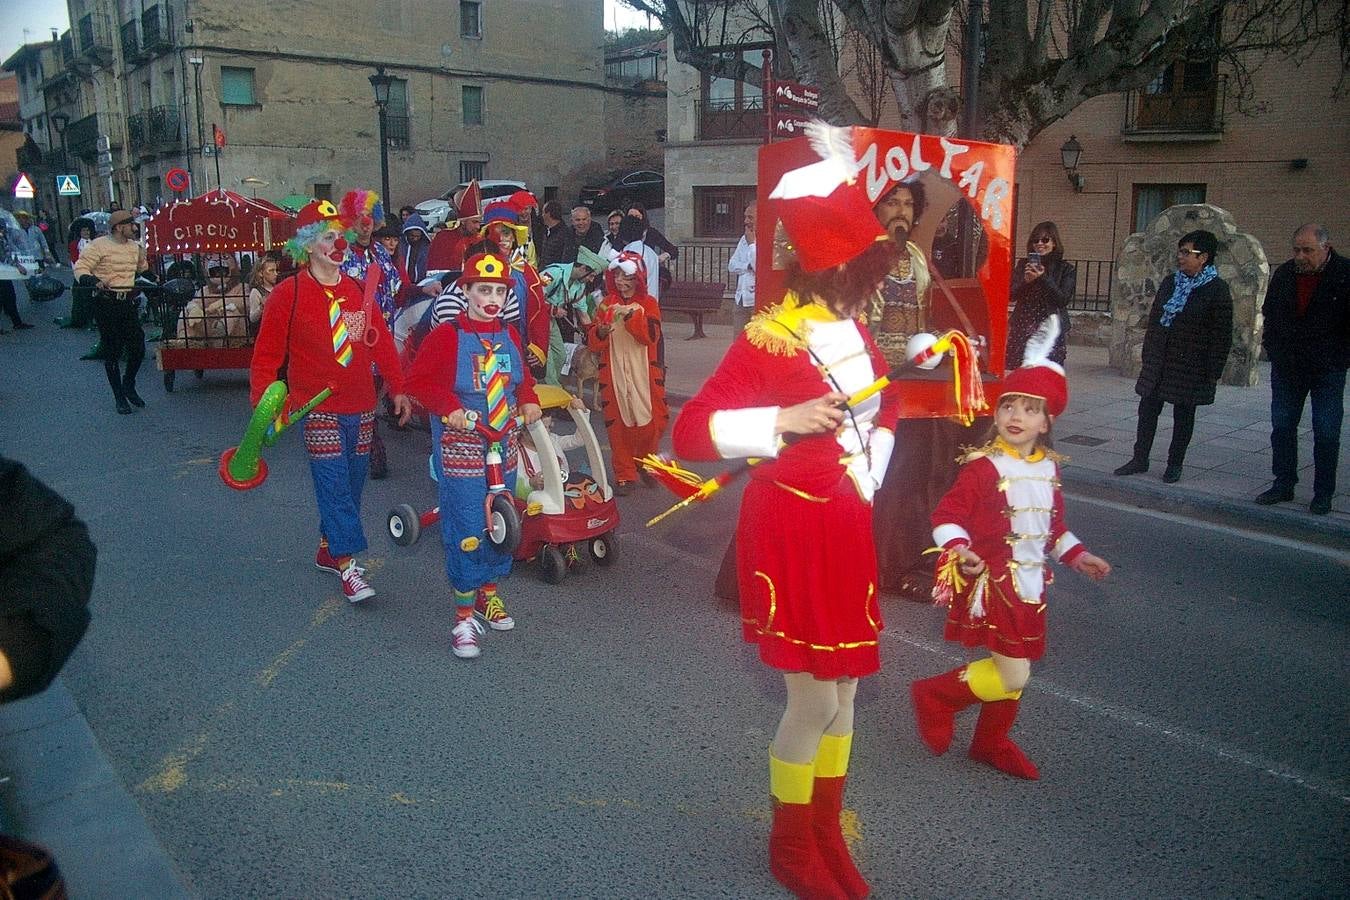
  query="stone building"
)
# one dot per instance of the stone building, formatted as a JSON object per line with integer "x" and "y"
{"x": 279, "y": 94}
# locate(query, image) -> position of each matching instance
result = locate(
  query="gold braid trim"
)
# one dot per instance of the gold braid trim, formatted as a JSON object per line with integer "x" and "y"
{"x": 782, "y": 329}
{"x": 993, "y": 448}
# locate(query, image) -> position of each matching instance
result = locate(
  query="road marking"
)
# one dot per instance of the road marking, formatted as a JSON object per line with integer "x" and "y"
{"x": 1338, "y": 556}
{"x": 1193, "y": 740}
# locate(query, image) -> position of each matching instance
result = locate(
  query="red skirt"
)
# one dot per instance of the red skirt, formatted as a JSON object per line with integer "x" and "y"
{"x": 1010, "y": 625}
{"x": 807, "y": 572}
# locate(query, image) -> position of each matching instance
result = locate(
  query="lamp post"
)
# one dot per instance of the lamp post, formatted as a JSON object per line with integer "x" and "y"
{"x": 59, "y": 121}
{"x": 197, "y": 63}
{"x": 380, "y": 82}
{"x": 1068, "y": 156}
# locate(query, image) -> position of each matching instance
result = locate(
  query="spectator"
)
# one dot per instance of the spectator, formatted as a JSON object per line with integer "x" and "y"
{"x": 412, "y": 252}
{"x": 742, "y": 265}
{"x": 260, "y": 284}
{"x": 553, "y": 236}
{"x": 666, "y": 251}
{"x": 34, "y": 242}
{"x": 11, "y": 252}
{"x": 585, "y": 233}
{"x": 1190, "y": 330}
{"x": 610, "y": 246}
{"x": 404, "y": 212}
{"x": 1307, "y": 339}
{"x": 1042, "y": 286}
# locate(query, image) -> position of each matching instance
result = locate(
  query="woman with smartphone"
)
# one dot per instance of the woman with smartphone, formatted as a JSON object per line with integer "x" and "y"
{"x": 1042, "y": 286}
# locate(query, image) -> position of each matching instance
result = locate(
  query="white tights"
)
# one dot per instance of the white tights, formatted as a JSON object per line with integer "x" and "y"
{"x": 815, "y": 707}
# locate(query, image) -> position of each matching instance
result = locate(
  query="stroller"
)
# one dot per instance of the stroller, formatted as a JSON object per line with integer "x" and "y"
{"x": 561, "y": 522}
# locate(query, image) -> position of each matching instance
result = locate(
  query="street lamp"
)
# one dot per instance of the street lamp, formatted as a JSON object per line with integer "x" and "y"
{"x": 1068, "y": 155}
{"x": 59, "y": 121}
{"x": 197, "y": 63}
{"x": 381, "y": 82}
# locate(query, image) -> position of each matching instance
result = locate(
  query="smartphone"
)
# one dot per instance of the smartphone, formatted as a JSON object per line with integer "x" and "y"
{"x": 1033, "y": 258}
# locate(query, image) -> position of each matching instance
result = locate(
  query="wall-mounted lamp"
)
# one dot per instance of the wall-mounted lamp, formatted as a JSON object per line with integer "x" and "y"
{"x": 1299, "y": 164}
{"x": 1068, "y": 155}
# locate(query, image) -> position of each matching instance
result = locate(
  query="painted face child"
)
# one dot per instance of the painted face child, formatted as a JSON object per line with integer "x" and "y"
{"x": 487, "y": 299}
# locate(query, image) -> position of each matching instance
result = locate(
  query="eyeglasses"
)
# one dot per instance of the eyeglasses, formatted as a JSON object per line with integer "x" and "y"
{"x": 1043, "y": 239}
{"x": 1182, "y": 251}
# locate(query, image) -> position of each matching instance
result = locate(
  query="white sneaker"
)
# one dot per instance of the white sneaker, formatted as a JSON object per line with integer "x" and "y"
{"x": 354, "y": 584}
{"x": 464, "y": 638}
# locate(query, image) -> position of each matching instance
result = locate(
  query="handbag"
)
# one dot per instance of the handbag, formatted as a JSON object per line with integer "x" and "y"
{"x": 42, "y": 288}
{"x": 28, "y": 871}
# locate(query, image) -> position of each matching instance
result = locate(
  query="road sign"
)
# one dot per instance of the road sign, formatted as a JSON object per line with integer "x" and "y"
{"x": 789, "y": 125}
{"x": 794, "y": 93}
{"x": 68, "y": 185}
{"x": 177, "y": 180}
{"x": 23, "y": 188}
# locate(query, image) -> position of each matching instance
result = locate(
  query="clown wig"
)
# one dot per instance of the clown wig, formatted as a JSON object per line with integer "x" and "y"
{"x": 360, "y": 204}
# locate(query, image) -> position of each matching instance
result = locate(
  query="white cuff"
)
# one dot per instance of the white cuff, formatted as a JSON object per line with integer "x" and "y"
{"x": 945, "y": 534}
{"x": 880, "y": 447}
{"x": 1067, "y": 541}
{"x": 740, "y": 433}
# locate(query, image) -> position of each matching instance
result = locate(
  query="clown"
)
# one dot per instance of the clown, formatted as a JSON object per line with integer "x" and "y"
{"x": 807, "y": 573}
{"x": 316, "y": 333}
{"x": 362, "y": 213}
{"x": 996, "y": 525}
{"x": 506, "y": 238}
{"x": 455, "y": 372}
{"x": 626, "y": 334}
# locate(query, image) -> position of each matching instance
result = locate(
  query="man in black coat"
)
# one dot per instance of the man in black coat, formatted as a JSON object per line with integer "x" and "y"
{"x": 584, "y": 233}
{"x": 1307, "y": 340}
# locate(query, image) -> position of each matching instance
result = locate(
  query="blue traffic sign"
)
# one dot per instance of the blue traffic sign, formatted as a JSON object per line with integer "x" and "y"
{"x": 68, "y": 185}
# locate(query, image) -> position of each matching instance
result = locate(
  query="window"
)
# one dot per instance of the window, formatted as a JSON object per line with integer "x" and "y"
{"x": 323, "y": 191}
{"x": 236, "y": 86}
{"x": 727, "y": 93}
{"x": 473, "y": 104}
{"x": 397, "y": 127}
{"x": 472, "y": 169}
{"x": 1152, "y": 199}
{"x": 719, "y": 212}
{"x": 470, "y": 19}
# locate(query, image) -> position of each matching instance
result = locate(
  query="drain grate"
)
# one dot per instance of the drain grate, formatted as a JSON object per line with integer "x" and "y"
{"x": 1084, "y": 440}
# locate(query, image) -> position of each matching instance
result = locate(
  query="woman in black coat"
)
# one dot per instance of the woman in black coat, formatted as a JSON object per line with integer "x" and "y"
{"x": 1042, "y": 286}
{"x": 1190, "y": 331}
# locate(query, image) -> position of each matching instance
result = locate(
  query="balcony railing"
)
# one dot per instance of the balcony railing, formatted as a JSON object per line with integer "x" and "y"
{"x": 82, "y": 136}
{"x": 398, "y": 131}
{"x": 130, "y": 49}
{"x": 722, "y": 119}
{"x": 1179, "y": 112}
{"x": 67, "y": 45}
{"x": 157, "y": 29}
{"x": 154, "y": 129}
{"x": 94, "y": 41}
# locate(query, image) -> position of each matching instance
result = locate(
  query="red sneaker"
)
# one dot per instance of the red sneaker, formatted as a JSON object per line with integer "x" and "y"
{"x": 325, "y": 560}
{"x": 490, "y": 609}
{"x": 354, "y": 583}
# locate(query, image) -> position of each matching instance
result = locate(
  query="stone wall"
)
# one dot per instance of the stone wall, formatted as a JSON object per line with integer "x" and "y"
{"x": 1149, "y": 256}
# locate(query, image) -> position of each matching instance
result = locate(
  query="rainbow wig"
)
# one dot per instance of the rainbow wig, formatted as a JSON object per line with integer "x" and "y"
{"x": 359, "y": 203}
{"x": 297, "y": 248}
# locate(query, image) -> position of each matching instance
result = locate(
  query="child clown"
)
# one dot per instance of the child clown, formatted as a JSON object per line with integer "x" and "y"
{"x": 996, "y": 525}
{"x": 458, "y": 366}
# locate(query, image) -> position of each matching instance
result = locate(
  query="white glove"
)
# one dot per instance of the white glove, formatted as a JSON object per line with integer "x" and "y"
{"x": 879, "y": 447}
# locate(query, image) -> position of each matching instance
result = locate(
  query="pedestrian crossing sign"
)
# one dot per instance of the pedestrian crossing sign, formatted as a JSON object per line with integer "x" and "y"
{"x": 68, "y": 185}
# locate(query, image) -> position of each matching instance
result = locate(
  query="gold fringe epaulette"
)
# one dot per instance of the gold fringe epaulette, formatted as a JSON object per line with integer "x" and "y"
{"x": 992, "y": 448}
{"x": 767, "y": 332}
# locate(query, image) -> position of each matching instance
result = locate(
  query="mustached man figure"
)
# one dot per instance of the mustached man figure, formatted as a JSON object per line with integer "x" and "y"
{"x": 317, "y": 329}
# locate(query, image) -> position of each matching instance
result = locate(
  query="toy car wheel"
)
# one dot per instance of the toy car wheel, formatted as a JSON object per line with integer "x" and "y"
{"x": 503, "y": 524}
{"x": 552, "y": 566}
{"x": 604, "y": 550}
{"x": 404, "y": 525}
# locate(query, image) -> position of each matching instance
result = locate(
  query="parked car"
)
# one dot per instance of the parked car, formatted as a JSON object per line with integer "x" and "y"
{"x": 643, "y": 186}
{"x": 440, "y": 209}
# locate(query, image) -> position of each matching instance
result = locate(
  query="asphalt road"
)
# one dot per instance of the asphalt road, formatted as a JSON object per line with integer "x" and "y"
{"x": 1189, "y": 719}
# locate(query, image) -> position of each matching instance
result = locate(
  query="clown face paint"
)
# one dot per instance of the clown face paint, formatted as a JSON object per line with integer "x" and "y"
{"x": 364, "y": 228}
{"x": 505, "y": 239}
{"x": 326, "y": 254}
{"x": 486, "y": 300}
{"x": 625, "y": 284}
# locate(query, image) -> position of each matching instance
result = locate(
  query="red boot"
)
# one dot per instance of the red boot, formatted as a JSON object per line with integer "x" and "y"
{"x": 937, "y": 700}
{"x": 794, "y": 858}
{"x": 992, "y": 744}
{"x": 827, "y": 803}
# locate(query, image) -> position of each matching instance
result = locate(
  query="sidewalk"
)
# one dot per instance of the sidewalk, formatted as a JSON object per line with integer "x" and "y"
{"x": 1227, "y": 464}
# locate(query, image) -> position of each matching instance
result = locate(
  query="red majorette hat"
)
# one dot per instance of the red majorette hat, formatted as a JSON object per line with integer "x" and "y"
{"x": 1039, "y": 376}
{"x": 485, "y": 267}
{"x": 823, "y": 206}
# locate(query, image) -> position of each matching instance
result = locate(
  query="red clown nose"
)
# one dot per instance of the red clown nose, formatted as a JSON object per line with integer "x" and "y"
{"x": 340, "y": 244}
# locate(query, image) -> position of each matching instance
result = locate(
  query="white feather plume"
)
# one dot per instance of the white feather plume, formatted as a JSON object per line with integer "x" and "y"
{"x": 1041, "y": 342}
{"x": 838, "y": 164}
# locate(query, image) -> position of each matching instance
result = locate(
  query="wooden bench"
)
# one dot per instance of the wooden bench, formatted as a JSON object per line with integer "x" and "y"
{"x": 697, "y": 298}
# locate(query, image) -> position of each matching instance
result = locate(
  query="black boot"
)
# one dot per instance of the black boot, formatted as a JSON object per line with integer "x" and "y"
{"x": 1133, "y": 467}
{"x": 115, "y": 382}
{"x": 129, "y": 383}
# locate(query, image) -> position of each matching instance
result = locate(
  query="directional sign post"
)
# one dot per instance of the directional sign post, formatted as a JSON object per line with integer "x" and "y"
{"x": 68, "y": 185}
{"x": 788, "y": 125}
{"x": 796, "y": 94}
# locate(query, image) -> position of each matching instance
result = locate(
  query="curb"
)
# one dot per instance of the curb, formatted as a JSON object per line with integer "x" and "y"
{"x": 62, "y": 793}
{"x": 1291, "y": 520}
